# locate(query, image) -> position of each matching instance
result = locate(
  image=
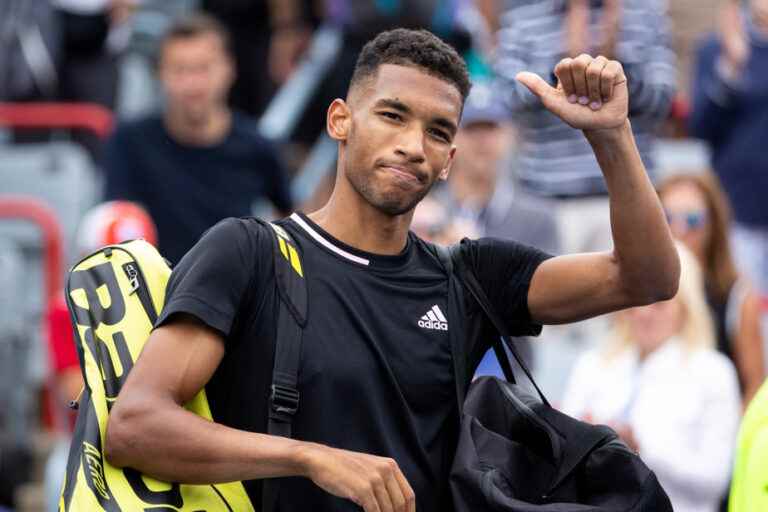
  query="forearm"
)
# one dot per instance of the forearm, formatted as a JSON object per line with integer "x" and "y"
{"x": 173, "y": 444}
{"x": 643, "y": 246}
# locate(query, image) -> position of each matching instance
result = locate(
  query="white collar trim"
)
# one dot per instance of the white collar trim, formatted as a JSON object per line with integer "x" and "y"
{"x": 325, "y": 243}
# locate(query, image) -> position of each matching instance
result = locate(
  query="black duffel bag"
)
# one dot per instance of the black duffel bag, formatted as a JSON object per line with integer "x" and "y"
{"x": 518, "y": 454}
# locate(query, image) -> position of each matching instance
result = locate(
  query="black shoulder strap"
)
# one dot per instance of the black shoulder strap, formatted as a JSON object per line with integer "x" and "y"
{"x": 454, "y": 309}
{"x": 291, "y": 320}
{"x": 453, "y": 260}
{"x": 473, "y": 285}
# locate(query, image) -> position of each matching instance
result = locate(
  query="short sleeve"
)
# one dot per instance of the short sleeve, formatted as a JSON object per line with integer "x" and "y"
{"x": 212, "y": 279}
{"x": 504, "y": 269}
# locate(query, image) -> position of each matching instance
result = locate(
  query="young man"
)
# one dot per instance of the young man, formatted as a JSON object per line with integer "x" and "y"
{"x": 198, "y": 162}
{"x": 376, "y": 424}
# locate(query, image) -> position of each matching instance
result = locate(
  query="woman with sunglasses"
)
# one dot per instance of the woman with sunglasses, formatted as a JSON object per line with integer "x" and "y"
{"x": 699, "y": 216}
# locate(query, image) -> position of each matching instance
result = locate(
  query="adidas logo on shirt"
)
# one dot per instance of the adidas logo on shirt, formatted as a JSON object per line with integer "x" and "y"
{"x": 434, "y": 319}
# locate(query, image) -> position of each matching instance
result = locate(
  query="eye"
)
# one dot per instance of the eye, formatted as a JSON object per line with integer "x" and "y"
{"x": 391, "y": 115}
{"x": 439, "y": 134}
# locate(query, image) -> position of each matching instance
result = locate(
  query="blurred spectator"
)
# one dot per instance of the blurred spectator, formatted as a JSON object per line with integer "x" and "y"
{"x": 94, "y": 33}
{"x": 480, "y": 190}
{"x": 699, "y": 216}
{"x": 730, "y": 112}
{"x": 691, "y": 20}
{"x": 65, "y": 51}
{"x": 749, "y": 492}
{"x": 105, "y": 224}
{"x": 198, "y": 162}
{"x": 556, "y": 161}
{"x": 266, "y": 35}
{"x": 29, "y": 50}
{"x": 661, "y": 385}
{"x": 433, "y": 223}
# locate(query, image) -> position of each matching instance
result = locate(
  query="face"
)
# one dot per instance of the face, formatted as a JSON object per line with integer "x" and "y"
{"x": 688, "y": 216}
{"x": 196, "y": 74}
{"x": 650, "y": 326}
{"x": 397, "y": 132}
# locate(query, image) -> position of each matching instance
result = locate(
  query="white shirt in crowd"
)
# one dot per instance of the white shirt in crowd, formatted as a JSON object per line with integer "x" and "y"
{"x": 683, "y": 407}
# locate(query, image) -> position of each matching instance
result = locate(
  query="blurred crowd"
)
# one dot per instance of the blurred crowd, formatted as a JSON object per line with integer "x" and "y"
{"x": 153, "y": 119}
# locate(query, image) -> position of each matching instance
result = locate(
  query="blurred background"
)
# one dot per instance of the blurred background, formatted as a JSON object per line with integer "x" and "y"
{"x": 156, "y": 118}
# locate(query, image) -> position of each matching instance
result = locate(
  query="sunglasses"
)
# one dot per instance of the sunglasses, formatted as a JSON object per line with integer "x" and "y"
{"x": 691, "y": 220}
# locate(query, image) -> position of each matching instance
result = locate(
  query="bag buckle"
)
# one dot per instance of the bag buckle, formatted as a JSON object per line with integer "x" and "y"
{"x": 284, "y": 399}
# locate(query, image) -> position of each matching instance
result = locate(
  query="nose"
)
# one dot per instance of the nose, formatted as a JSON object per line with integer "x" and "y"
{"x": 410, "y": 144}
{"x": 194, "y": 82}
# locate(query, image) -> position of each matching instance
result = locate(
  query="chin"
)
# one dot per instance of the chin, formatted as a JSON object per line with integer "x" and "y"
{"x": 194, "y": 114}
{"x": 393, "y": 208}
{"x": 388, "y": 198}
{"x": 398, "y": 204}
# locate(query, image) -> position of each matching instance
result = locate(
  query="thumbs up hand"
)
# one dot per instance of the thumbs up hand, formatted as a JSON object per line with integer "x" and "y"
{"x": 591, "y": 93}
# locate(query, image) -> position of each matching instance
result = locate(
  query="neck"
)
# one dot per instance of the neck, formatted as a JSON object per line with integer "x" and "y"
{"x": 206, "y": 130}
{"x": 348, "y": 217}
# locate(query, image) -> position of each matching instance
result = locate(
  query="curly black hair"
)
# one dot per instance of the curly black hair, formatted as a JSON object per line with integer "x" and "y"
{"x": 419, "y": 48}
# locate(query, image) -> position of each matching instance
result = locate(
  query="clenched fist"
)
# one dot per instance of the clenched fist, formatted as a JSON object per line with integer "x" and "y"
{"x": 375, "y": 483}
{"x": 591, "y": 92}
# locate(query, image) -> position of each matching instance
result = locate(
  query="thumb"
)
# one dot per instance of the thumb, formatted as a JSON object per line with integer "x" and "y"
{"x": 534, "y": 83}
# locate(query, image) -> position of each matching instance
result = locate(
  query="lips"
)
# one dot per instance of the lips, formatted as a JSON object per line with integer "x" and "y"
{"x": 403, "y": 172}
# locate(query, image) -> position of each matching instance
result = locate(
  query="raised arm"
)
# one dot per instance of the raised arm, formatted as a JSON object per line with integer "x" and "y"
{"x": 716, "y": 100}
{"x": 718, "y": 83}
{"x": 643, "y": 266}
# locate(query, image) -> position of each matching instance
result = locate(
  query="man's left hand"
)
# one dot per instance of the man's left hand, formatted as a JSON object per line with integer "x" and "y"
{"x": 591, "y": 93}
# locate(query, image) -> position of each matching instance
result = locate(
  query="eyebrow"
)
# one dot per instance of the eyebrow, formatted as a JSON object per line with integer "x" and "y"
{"x": 405, "y": 109}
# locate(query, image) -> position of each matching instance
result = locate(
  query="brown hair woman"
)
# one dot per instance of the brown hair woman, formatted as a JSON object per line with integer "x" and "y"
{"x": 699, "y": 216}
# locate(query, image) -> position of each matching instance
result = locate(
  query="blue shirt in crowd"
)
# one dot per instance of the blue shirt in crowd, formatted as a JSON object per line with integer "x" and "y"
{"x": 733, "y": 118}
{"x": 188, "y": 189}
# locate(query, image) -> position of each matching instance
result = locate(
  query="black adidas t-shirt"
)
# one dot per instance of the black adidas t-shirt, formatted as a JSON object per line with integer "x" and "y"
{"x": 376, "y": 373}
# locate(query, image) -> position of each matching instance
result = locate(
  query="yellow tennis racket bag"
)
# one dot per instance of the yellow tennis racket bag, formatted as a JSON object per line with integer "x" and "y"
{"x": 114, "y": 296}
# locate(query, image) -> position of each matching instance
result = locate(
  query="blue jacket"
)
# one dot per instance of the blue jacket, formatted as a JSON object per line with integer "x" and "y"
{"x": 733, "y": 119}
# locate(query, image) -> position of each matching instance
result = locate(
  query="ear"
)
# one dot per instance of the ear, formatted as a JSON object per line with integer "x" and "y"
{"x": 448, "y": 163}
{"x": 338, "y": 120}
